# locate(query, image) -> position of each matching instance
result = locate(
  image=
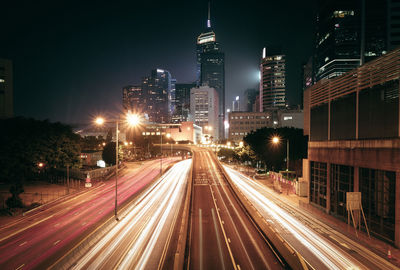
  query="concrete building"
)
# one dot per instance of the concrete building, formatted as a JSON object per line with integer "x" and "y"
{"x": 273, "y": 81}
{"x": 204, "y": 109}
{"x": 242, "y": 123}
{"x": 354, "y": 131}
{"x": 185, "y": 131}
{"x": 291, "y": 118}
{"x": 6, "y": 89}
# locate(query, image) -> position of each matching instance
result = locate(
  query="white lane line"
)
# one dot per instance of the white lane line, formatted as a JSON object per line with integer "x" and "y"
{"x": 201, "y": 240}
{"x": 23, "y": 243}
{"x": 20, "y": 267}
{"x": 56, "y": 242}
{"x": 218, "y": 238}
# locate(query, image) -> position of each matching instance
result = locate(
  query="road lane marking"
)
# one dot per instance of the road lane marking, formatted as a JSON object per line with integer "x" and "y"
{"x": 55, "y": 225}
{"x": 23, "y": 243}
{"x": 23, "y": 229}
{"x": 201, "y": 239}
{"x": 20, "y": 267}
{"x": 223, "y": 232}
{"x": 218, "y": 238}
{"x": 56, "y": 242}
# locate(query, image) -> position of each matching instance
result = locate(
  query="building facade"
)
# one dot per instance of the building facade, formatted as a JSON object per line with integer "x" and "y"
{"x": 242, "y": 123}
{"x": 204, "y": 109}
{"x": 157, "y": 91}
{"x": 182, "y": 102}
{"x": 354, "y": 130}
{"x": 350, "y": 33}
{"x": 273, "y": 81}
{"x": 184, "y": 131}
{"x": 6, "y": 89}
{"x": 394, "y": 24}
{"x": 133, "y": 98}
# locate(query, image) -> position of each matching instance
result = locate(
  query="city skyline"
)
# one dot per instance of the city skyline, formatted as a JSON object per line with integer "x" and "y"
{"x": 73, "y": 60}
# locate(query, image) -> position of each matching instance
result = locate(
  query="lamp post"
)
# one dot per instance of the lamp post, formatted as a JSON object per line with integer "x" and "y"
{"x": 276, "y": 140}
{"x": 169, "y": 136}
{"x": 132, "y": 120}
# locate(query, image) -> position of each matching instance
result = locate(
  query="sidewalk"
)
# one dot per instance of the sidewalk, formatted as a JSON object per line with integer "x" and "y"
{"x": 375, "y": 245}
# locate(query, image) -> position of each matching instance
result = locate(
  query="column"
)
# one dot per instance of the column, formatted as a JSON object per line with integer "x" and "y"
{"x": 328, "y": 188}
{"x": 397, "y": 212}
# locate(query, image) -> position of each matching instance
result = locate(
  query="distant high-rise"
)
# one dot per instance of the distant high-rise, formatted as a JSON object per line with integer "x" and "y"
{"x": 133, "y": 98}
{"x": 349, "y": 33}
{"x": 157, "y": 92}
{"x": 182, "y": 102}
{"x": 211, "y": 68}
{"x": 394, "y": 24}
{"x": 204, "y": 109}
{"x": 249, "y": 98}
{"x": 6, "y": 89}
{"x": 273, "y": 81}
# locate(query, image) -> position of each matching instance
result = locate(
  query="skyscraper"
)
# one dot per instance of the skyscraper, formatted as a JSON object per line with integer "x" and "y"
{"x": 6, "y": 89}
{"x": 394, "y": 24}
{"x": 133, "y": 98}
{"x": 349, "y": 33}
{"x": 182, "y": 102}
{"x": 157, "y": 92}
{"x": 273, "y": 81}
{"x": 211, "y": 68}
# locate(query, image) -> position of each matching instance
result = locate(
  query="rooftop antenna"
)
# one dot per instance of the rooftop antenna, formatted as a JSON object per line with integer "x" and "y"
{"x": 208, "y": 20}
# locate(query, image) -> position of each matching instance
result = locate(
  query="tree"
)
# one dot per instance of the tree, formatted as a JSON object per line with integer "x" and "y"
{"x": 274, "y": 155}
{"x": 27, "y": 142}
{"x": 227, "y": 154}
{"x": 109, "y": 153}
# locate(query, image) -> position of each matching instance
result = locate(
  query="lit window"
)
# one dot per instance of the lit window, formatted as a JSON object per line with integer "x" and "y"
{"x": 287, "y": 118}
{"x": 2, "y": 80}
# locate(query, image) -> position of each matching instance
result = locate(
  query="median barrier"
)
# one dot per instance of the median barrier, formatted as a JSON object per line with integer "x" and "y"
{"x": 179, "y": 257}
{"x": 291, "y": 256}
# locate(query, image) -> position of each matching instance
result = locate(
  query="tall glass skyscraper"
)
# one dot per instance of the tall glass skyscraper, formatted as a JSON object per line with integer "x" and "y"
{"x": 157, "y": 93}
{"x": 350, "y": 33}
{"x": 211, "y": 68}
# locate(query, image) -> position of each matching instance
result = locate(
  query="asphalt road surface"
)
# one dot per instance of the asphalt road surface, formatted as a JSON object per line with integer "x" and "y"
{"x": 44, "y": 235}
{"x": 320, "y": 246}
{"x": 141, "y": 237}
{"x": 222, "y": 236}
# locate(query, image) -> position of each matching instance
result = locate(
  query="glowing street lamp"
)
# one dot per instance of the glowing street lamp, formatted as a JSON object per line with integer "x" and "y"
{"x": 132, "y": 120}
{"x": 276, "y": 140}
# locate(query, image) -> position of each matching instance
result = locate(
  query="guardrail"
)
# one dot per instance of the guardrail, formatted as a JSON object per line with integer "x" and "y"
{"x": 179, "y": 257}
{"x": 291, "y": 256}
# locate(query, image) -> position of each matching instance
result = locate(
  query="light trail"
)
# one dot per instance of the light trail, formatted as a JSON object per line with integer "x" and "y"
{"x": 329, "y": 255}
{"x": 146, "y": 221}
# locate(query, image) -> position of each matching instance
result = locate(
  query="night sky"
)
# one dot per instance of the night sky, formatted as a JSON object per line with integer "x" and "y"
{"x": 71, "y": 59}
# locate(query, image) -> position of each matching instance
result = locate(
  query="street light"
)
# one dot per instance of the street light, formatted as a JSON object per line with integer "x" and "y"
{"x": 276, "y": 140}
{"x": 169, "y": 136}
{"x": 132, "y": 120}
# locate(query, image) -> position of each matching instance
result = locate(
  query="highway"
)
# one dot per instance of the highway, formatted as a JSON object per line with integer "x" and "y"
{"x": 44, "y": 235}
{"x": 320, "y": 246}
{"x": 221, "y": 234}
{"x": 141, "y": 239}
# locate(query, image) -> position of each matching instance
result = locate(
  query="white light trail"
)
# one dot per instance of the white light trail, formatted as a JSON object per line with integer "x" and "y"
{"x": 147, "y": 218}
{"x": 332, "y": 257}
